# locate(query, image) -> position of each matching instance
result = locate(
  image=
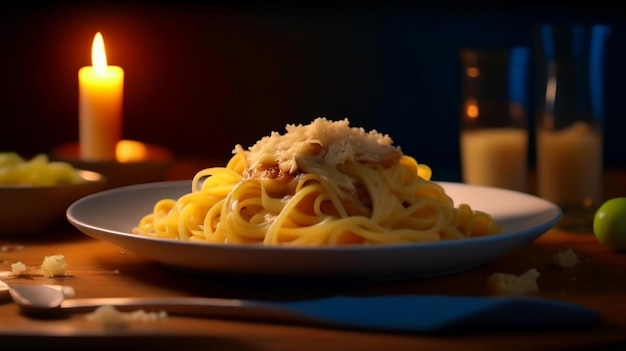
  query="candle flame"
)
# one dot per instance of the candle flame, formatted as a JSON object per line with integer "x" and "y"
{"x": 98, "y": 54}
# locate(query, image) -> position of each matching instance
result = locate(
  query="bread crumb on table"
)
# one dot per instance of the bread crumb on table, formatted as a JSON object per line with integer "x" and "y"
{"x": 565, "y": 259}
{"x": 110, "y": 317}
{"x": 510, "y": 284}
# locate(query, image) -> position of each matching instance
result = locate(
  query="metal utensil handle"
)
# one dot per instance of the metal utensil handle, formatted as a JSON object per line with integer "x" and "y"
{"x": 190, "y": 306}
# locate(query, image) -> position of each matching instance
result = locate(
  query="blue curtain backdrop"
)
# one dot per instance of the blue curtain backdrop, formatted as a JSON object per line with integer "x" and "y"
{"x": 201, "y": 78}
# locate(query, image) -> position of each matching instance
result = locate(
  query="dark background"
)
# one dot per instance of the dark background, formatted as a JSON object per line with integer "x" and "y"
{"x": 202, "y": 77}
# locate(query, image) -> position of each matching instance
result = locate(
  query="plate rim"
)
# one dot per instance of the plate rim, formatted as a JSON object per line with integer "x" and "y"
{"x": 126, "y": 240}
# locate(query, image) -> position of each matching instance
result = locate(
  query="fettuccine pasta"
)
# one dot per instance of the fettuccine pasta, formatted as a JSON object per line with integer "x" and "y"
{"x": 322, "y": 184}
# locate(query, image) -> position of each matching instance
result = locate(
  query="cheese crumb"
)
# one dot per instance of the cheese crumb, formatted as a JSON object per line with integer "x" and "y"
{"x": 110, "y": 317}
{"x": 18, "y": 268}
{"x": 510, "y": 284}
{"x": 53, "y": 266}
{"x": 565, "y": 259}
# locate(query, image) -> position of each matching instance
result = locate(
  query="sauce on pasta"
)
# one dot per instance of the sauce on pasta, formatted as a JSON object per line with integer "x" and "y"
{"x": 321, "y": 184}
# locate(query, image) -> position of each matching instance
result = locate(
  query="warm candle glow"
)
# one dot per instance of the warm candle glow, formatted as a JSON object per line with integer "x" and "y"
{"x": 100, "y": 106}
{"x": 471, "y": 108}
{"x": 472, "y": 72}
{"x": 131, "y": 151}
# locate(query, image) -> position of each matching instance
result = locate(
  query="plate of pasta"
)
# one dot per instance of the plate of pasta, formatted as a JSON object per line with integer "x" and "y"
{"x": 323, "y": 200}
{"x": 110, "y": 215}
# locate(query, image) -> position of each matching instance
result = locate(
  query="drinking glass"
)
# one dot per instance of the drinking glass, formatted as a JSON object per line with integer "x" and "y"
{"x": 493, "y": 130}
{"x": 569, "y": 128}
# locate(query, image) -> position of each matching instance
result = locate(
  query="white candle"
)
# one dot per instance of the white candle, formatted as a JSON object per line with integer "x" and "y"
{"x": 495, "y": 157}
{"x": 100, "y": 106}
{"x": 569, "y": 166}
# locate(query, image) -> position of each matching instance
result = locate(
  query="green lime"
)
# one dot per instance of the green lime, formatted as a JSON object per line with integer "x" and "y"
{"x": 609, "y": 223}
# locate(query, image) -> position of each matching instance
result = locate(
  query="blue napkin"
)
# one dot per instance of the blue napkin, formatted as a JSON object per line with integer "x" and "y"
{"x": 441, "y": 313}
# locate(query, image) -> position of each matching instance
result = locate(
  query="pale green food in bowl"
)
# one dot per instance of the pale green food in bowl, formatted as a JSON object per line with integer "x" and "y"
{"x": 35, "y": 194}
{"x": 37, "y": 171}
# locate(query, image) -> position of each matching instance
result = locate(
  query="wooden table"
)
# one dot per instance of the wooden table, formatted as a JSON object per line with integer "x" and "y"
{"x": 98, "y": 268}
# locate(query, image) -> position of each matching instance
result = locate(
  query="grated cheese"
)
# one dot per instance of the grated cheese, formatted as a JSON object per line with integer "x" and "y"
{"x": 318, "y": 148}
{"x": 54, "y": 265}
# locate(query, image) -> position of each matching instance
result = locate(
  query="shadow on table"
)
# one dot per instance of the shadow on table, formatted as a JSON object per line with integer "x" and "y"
{"x": 124, "y": 342}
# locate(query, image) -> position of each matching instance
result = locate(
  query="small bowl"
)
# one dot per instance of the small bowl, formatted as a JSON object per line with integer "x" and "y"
{"x": 31, "y": 210}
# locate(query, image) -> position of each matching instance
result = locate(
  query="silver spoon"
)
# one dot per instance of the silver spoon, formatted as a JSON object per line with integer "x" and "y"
{"x": 4, "y": 290}
{"x": 398, "y": 313}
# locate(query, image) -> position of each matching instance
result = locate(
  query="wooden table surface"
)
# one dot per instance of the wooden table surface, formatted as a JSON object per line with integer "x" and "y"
{"x": 100, "y": 269}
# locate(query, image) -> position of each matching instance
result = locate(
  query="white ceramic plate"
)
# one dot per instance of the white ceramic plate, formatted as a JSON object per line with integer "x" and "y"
{"x": 110, "y": 216}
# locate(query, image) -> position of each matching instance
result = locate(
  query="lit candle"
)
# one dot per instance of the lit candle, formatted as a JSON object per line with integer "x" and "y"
{"x": 100, "y": 89}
